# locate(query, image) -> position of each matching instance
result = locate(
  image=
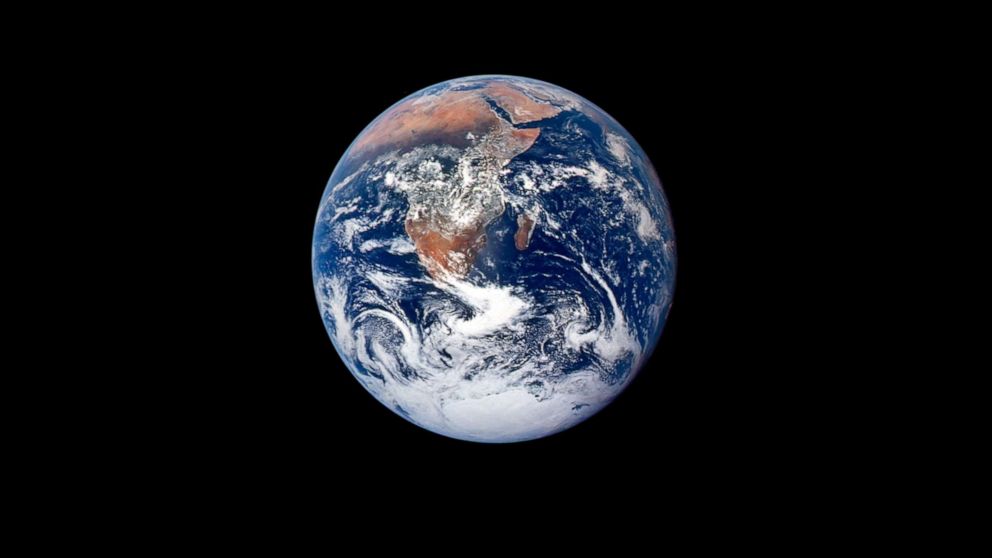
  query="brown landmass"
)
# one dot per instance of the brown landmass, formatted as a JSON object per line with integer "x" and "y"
{"x": 520, "y": 107}
{"x": 444, "y": 247}
{"x": 448, "y": 118}
{"x": 525, "y": 225}
{"x": 519, "y": 140}
{"x": 440, "y": 253}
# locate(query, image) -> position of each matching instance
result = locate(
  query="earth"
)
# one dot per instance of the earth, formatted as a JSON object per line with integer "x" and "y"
{"x": 494, "y": 258}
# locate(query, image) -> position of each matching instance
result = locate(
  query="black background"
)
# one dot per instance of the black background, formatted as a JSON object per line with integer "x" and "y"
{"x": 185, "y": 364}
{"x": 255, "y": 384}
{"x": 185, "y": 360}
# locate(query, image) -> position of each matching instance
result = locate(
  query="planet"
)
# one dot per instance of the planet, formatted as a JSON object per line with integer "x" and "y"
{"x": 494, "y": 258}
